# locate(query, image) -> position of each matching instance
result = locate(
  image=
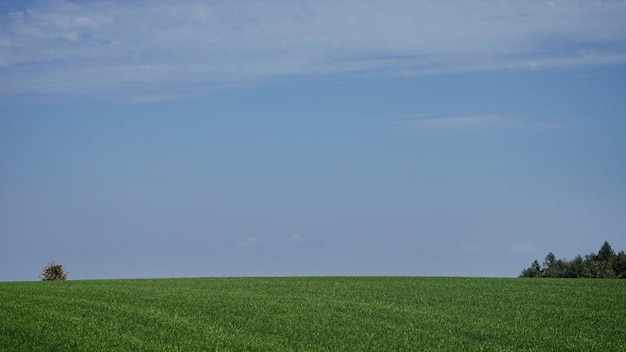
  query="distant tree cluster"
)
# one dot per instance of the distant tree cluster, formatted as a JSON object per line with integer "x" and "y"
{"x": 604, "y": 265}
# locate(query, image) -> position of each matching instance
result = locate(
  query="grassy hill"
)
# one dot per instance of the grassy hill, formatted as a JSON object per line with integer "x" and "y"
{"x": 314, "y": 314}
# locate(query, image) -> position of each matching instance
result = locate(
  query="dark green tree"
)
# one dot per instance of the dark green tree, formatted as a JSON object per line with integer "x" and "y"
{"x": 533, "y": 271}
{"x": 551, "y": 267}
{"x": 606, "y": 253}
{"x": 619, "y": 265}
{"x": 575, "y": 268}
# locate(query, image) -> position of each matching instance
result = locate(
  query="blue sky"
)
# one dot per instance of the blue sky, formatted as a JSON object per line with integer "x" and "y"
{"x": 249, "y": 138}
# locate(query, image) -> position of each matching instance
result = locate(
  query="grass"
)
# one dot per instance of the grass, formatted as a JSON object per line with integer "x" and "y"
{"x": 314, "y": 314}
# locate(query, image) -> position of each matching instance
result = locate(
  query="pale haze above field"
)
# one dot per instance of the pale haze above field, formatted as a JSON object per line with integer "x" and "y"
{"x": 268, "y": 138}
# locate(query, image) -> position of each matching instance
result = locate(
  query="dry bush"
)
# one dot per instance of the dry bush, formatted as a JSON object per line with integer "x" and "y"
{"x": 53, "y": 271}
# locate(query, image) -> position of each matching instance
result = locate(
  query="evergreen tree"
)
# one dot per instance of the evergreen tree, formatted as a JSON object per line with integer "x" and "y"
{"x": 533, "y": 271}
{"x": 606, "y": 253}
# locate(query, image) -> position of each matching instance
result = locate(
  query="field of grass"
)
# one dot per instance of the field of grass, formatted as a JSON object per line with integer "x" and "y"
{"x": 314, "y": 314}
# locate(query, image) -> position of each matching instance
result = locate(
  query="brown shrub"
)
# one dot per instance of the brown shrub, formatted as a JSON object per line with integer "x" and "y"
{"x": 53, "y": 271}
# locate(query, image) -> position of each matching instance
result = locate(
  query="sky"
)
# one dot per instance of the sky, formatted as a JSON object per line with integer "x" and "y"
{"x": 143, "y": 139}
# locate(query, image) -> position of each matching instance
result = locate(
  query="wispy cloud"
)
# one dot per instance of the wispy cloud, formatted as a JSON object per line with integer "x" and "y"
{"x": 470, "y": 247}
{"x": 160, "y": 49}
{"x": 525, "y": 248}
{"x": 249, "y": 242}
{"x": 454, "y": 122}
{"x": 295, "y": 239}
{"x": 488, "y": 122}
{"x": 368, "y": 247}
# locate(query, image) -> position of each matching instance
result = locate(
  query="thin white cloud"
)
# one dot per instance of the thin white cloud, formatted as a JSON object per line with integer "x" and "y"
{"x": 249, "y": 242}
{"x": 470, "y": 247}
{"x": 163, "y": 48}
{"x": 525, "y": 248}
{"x": 368, "y": 247}
{"x": 295, "y": 239}
{"x": 454, "y": 122}
{"x": 488, "y": 122}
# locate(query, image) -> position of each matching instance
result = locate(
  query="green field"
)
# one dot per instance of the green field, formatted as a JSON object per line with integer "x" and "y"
{"x": 314, "y": 314}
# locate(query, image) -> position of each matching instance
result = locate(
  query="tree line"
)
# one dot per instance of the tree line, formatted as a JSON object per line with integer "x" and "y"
{"x": 604, "y": 265}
